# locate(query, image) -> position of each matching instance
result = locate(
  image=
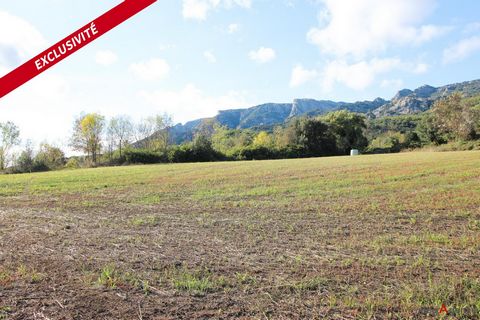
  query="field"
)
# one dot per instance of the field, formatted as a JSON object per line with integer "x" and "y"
{"x": 370, "y": 237}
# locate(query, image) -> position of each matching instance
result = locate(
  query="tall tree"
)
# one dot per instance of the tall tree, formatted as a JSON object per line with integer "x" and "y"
{"x": 455, "y": 117}
{"x": 87, "y": 134}
{"x": 315, "y": 137}
{"x": 50, "y": 156}
{"x": 263, "y": 139}
{"x": 143, "y": 130}
{"x": 348, "y": 128}
{"x": 120, "y": 131}
{"x": 9, "y": 137}
{"x": 154, "y": 132}
{"x": 161, "y": 124}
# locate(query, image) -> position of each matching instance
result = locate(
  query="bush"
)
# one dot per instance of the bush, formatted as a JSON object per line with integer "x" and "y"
{"x": 24, "y": 162}
{"x": 256, "y": 153}
{"x": 387, "y": 143}
{"x": 192, "y": 153}
{"x": 49, "y": 157}
{"x": 139, "y": 156}
{"x": 72, "y": 163}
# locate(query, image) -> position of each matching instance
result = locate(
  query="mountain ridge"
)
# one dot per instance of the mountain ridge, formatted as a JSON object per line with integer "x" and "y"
{"x": 406, "y": 101}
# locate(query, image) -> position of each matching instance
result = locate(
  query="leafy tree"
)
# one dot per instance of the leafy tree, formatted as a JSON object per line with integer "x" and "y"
{"x": 143, "y": 131}
{"x": 412, "y": 140}
{"x": 25, "y": 162}
{"x": 348, "y": 128}
{"x": 315, "y": 137}
{"x": 72, "y": 163}
{"x": 50, "y": 156}
{"x": 390, "y": 141}
{"x": 153, "y": 133}
{"x": 87, "y": 134}
{"x": 161, "y": 126}
{"x": 402, "y": 124}
{"x": 9, "y": 137}
{"x": 455, "y": 118}
{"x": 230, "y": 141}
{"x": 285, "y": 136}
{"x": 428, "y": 132}
{"x": 263, "y": 139}
{"x": 119, "y": 131}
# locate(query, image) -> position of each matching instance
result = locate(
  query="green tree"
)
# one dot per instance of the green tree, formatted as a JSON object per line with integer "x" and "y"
{"x": 9, "y": 137}
{"x": 428, "y": 131}
{"x": 349, "y": 130}
{"x": 390, "y": 141}
{"x": 228, "y": 141}
{"x": 315, "y": 137}
{"x": 455, "y": 117}
{"x": 285, "y": 136}
{"x": 87, "y": 134}
{"x": 50, "y": 156}
{"x": 25, "y": 162}
{"x": 263, "y": 139}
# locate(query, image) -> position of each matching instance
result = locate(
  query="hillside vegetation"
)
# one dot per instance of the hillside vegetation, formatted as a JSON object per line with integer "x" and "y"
{"x": 382, "y": 236}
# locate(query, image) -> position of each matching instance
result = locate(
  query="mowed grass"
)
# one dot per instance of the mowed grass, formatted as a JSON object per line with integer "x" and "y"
{"x": 382, "y": 236}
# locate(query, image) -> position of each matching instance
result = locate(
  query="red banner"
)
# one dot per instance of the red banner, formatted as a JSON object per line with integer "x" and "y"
{"x": 71, "y": 44}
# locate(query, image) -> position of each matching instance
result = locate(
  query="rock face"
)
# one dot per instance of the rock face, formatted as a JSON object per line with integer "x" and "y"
{"x": 304, "y": 106}
{"x": 270, "y": 114}
{"x": 421, "y": 99}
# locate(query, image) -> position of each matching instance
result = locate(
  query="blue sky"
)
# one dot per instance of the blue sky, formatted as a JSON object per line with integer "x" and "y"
{"x": 191, "y": 58}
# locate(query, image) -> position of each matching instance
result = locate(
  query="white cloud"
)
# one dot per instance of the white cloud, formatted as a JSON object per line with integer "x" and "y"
{"x": 43, "y": 99}
{"x": 233, "y": 28}
{"x": 357, "y": 76}
{"x": 195, "y": 9}
{"x": 106, "y": 57}
{"x": 21, "y": 42}
{"x": 210, "y": 57}
{"x": 191, "y": 102}
{"x": 231, "y": 3}
{"x": 40, "y": 102}
{"x": 262, "y": 55}
{"x": 154, "y": 69}
{"x": 198, "y": 9}
{"x": 421, "y": 68}
{"x": 461, "y": 50}
{"x": 300, "y": 76}
{"x": 361, "y": 27}
{"x": 395, "y": 84}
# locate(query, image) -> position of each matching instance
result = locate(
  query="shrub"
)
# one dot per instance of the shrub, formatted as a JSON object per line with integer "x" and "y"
{"x": 144, "y": 156}
{"x": 193, "y": 153}
{"x": 50, "y": 157}
{"x": 72, "y": 163}
{"x": 256, "y": 153}
{"x": 387, "y": 143}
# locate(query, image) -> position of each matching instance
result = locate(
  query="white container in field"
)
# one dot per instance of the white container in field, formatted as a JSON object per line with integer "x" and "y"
{"x": 354, "y": 152}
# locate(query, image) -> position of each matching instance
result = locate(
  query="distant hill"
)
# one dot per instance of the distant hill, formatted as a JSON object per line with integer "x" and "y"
{"x": 270, "y": 114}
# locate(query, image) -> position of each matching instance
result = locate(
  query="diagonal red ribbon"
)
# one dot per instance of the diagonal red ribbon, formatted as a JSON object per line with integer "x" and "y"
{"x": 71, "y": 44}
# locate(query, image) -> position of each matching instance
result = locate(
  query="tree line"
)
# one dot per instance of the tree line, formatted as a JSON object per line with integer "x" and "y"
{"x": 120, "y": 140}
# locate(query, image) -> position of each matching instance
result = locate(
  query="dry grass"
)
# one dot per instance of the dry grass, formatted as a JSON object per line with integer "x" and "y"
{"x": 371, "y": 237}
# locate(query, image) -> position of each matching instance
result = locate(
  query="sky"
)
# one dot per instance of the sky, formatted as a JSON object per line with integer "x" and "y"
{"x": 191, "y": 58}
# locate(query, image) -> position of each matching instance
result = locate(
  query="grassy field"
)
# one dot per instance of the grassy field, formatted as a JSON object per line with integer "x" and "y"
{"x": 370, "y": 237}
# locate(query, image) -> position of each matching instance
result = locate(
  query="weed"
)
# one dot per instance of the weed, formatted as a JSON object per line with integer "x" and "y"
{"x": 4, "y": 311}
{"x": 108, "y": 277}
{"x": 145, "y": 221}
{"x": 309, "y": 284}
{"x": 245, "y": 278}
{"x": 193, "y": 282}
